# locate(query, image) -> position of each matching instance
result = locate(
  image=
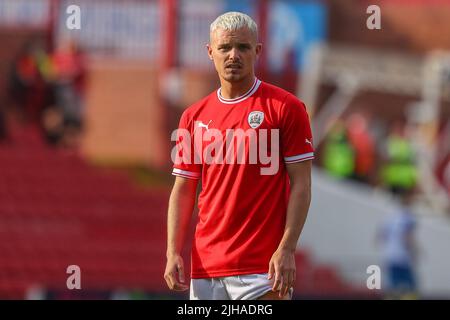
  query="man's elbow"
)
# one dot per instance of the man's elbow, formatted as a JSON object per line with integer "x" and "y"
{"x": 302, "y": 191}
{"x": 184, "y": 187}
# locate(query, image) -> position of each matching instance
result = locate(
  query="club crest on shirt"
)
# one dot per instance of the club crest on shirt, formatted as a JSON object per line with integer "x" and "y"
{"x": 255, "y": 118}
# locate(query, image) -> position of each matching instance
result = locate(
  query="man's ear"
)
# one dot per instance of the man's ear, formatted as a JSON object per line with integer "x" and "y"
{"x": 209, "y": 49}
{"x": 258, "y": 49}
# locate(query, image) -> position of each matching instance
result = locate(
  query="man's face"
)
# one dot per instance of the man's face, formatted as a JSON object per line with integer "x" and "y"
{"x": 234, "y": 53}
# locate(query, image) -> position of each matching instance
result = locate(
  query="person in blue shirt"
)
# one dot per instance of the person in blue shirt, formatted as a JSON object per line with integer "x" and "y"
{"x": 400, "y": 251}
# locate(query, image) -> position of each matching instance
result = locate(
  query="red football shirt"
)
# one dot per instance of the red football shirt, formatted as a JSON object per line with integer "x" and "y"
{"x": 242, "y": 212}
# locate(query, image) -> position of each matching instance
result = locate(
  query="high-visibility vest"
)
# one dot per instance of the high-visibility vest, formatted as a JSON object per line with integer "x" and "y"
{"x": 338, "y": 157}
{"x": 400, "y": 171}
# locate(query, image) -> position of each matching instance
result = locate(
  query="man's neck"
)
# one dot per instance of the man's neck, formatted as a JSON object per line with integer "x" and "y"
{"x": 232, "y": 90}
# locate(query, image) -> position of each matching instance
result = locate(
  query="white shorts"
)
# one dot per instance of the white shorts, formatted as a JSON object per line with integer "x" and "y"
{"x": 240, "y": 287}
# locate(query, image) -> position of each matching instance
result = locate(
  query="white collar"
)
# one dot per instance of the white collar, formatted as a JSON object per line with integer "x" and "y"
{"x": 249, "y": 93}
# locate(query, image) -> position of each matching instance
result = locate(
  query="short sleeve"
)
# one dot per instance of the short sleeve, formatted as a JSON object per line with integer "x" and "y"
{"x": 296, "y": 135}
{"x": 183, "y": 152}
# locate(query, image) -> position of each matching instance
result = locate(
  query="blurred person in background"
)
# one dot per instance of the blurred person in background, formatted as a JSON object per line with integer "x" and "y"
{"x": 363, "y": 146}
{"x": 249, "y": 223}
{"x": 41, "y": 85}
{"x": 26, "y": 81}
{"x": 68, "y": 79}
{"x": 400, "y": 251}
{"x": 398, "y": 172}
{"x": 338, "y": 158}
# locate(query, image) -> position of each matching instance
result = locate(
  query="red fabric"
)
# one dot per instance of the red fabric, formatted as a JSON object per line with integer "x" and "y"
{"x": 365, "y": 151}
{"x": 241, "y": 212}
{"x": 27, "y": 69}
{"x": 70, "y": 66}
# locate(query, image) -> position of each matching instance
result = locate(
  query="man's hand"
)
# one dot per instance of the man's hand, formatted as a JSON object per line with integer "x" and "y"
{"x": 174, "y": 274}
{"x": 282, "y": 265}
{"x": 181, "y": 206}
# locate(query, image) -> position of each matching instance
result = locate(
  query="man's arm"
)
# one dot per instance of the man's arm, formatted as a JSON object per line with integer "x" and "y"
{"x": 181, "y": 206}
{"x": 282, "y": 263}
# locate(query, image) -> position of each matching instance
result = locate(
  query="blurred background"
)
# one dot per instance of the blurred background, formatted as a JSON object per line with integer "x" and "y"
{"x": 86, "y": 117}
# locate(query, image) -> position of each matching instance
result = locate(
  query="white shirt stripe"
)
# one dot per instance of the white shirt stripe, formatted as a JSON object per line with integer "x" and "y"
{"x": 300, "y": 157}
{"x": 186, "y": 173}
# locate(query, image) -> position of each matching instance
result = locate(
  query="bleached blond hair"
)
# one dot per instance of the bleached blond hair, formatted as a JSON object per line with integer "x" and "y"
{"x": 232, "y": 21}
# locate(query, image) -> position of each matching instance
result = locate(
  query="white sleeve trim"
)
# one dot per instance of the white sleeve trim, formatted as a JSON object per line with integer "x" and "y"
{"x": 299, "y": 158}
{"x": 185, "y": 174}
